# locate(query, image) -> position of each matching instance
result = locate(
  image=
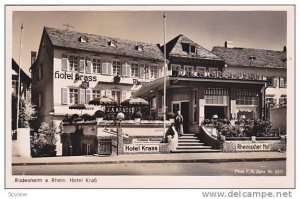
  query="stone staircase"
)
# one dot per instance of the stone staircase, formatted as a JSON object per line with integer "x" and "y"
{"x": 190, "y": 143}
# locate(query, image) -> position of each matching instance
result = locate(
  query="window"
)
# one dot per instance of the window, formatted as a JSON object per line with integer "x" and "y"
{"x": 139, "y": 47}
{"x": 247, "y": 97}
{"x": 192, "y": 49}
{"x": 73, "y": 63}
{"x": 201, "y": 71}
{"x": 272, "y": 81}
{"x": 175, "y": 69}
{"x": 282, "y": 82}
{"x": 213, "y": 72}
{"x": 188, "y": 70}
{"x": 96, "y": 94}
{"x": 282, "y": 100}
{"x": 112, "y": 43}
{"x": 14, "y": 87}
{"x": 134, "y": 70}
{"x": 116, "y": 95}
{"x": 116, "y": 68}
{"x": 40, "y": 100}
{"x": 97, "y": 66}
{"x": 147, "y": 71}
{"x": 154, "y": 72}
{"x": 216, "y": 99}
{"x": 73, "y": 95}
{"x": 40, "y": 72}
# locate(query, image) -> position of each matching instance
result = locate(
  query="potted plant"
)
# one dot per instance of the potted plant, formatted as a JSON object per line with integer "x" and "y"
{"x": 137, "y": 116}
{"x": 99, "y": 116}
{"x": 171, "y": 116}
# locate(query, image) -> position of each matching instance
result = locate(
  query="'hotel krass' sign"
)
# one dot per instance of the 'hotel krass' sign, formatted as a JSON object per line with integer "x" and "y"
{"x": 253, "y": 147}
{"x": 141, "y": 148}
{"x": 74, "y": 76}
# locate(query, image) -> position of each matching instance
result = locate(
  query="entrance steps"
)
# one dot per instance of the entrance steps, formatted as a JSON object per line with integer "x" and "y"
{"x": 190, "y": 143}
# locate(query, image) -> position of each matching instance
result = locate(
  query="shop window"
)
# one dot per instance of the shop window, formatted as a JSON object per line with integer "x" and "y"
{"x": 73, "y": 63}
{"x": 216, "y": 100}
{"x": 97, "y": 66}
{"x": 247, "y": 97}
{"x": 134, "y": 70}
{"x": 282, "y": 82}
{"x": 116, "y": 68}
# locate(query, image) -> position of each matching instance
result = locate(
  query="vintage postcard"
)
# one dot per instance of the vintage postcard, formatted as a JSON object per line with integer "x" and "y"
{"x": 150, "y": 96}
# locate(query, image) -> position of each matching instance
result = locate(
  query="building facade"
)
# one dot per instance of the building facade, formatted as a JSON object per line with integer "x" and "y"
{"x": 200, "y": 88}
{"x": 269, "y": 63}
{"x": 25, "y": 81}
{"x": 73, "y": 68}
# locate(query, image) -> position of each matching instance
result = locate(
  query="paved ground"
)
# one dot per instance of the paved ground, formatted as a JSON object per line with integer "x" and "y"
{"x": 153, "y": 158}
{"x": 262, "y": 168}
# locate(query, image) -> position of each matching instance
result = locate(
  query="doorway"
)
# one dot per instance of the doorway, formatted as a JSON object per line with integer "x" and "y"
{"x": 185, "y": 114}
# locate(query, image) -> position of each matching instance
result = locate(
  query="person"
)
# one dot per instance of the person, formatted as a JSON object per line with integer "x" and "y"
{"x": 179, "y": 123}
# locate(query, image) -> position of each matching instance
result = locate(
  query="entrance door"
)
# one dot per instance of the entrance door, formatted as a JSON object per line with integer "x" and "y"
{"x": 185, "y": 114}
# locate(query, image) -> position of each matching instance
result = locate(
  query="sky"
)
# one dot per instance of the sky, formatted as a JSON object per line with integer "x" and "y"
{"x": 251, "y": 29}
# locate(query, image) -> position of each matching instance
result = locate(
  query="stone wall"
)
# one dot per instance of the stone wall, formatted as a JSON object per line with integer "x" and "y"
{"x": 254, "y": 145}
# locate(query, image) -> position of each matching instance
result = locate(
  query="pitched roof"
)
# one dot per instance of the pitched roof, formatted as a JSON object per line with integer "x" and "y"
{"x": 250, "y": 57}
{"x": 101, "y": 44}
{"x": 175, "y": 48}
{"x": 24, "y": 77}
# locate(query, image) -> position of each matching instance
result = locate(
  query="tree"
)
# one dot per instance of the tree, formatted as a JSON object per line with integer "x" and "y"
{"x": 26, "y": 112}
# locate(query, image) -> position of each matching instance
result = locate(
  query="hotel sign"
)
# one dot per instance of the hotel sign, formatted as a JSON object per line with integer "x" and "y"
{"x": 253, "y": 147}
{"x": 141, "y": 148}
{"x": 74, "y": 76}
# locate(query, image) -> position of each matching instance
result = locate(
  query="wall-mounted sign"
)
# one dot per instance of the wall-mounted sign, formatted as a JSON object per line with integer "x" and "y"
{"x": 142, "y": 148}
{"x": 253, "y": 147}
{"x": 146, "y": 140}
{"x": 74, "y": 76}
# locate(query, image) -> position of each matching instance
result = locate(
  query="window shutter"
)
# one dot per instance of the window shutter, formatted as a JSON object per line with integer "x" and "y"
{"x": 88, "y": 95}
{"x": 64, "y": 64}
{"x": 82, "y": 96}
{"x": 128, "y": 70}
{"x": 104, "y": 68}
{"x": 64, "y": 95}
{"x": 142, "y": 71}
{"x": 274, "y": 82}
{"x": 108, "y": 93}
{"x": 124, "y": 96}
{"x": 124, "y": 69}
{"x": 102, "y": 93}
{"x": 81, "y": 65}
{"x": 89, "y": 66}
{"x": 109, "y": 68}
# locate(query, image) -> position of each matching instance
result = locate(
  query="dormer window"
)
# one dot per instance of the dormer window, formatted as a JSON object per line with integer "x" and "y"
{"x": 252, "y": 58}
{"x": 139, "y": 48}
{"x": 192, "y": 49}
{"x": 189, "y": 48}
{"x": 112, "y": 43}
{"x": 83, "y": 39}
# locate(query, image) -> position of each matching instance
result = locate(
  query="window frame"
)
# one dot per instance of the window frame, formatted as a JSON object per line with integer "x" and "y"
{"x": 134, "y": 67}
{"x": 96, "y": 67}
{"x": 72, "y": 67}
{"x": 70, "y": 100}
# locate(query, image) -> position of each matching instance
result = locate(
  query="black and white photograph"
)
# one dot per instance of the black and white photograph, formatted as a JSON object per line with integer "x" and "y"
{"x": 97, "y": 93}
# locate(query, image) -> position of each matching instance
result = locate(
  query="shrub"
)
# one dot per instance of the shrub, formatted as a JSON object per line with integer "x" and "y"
{"x": 87, "y": 117}
{"x": 137, "y": 114}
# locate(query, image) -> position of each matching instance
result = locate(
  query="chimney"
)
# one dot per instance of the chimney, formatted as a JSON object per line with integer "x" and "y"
{"x": 284, "y": 48}
{"x": 228, "y": 44}
{"x": 33, "y": 57}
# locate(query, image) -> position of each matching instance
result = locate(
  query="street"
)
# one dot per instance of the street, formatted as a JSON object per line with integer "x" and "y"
{"x": 262, "y": 168}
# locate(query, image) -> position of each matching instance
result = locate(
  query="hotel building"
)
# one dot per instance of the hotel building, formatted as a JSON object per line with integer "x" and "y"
{"x": 67, "y": 61}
